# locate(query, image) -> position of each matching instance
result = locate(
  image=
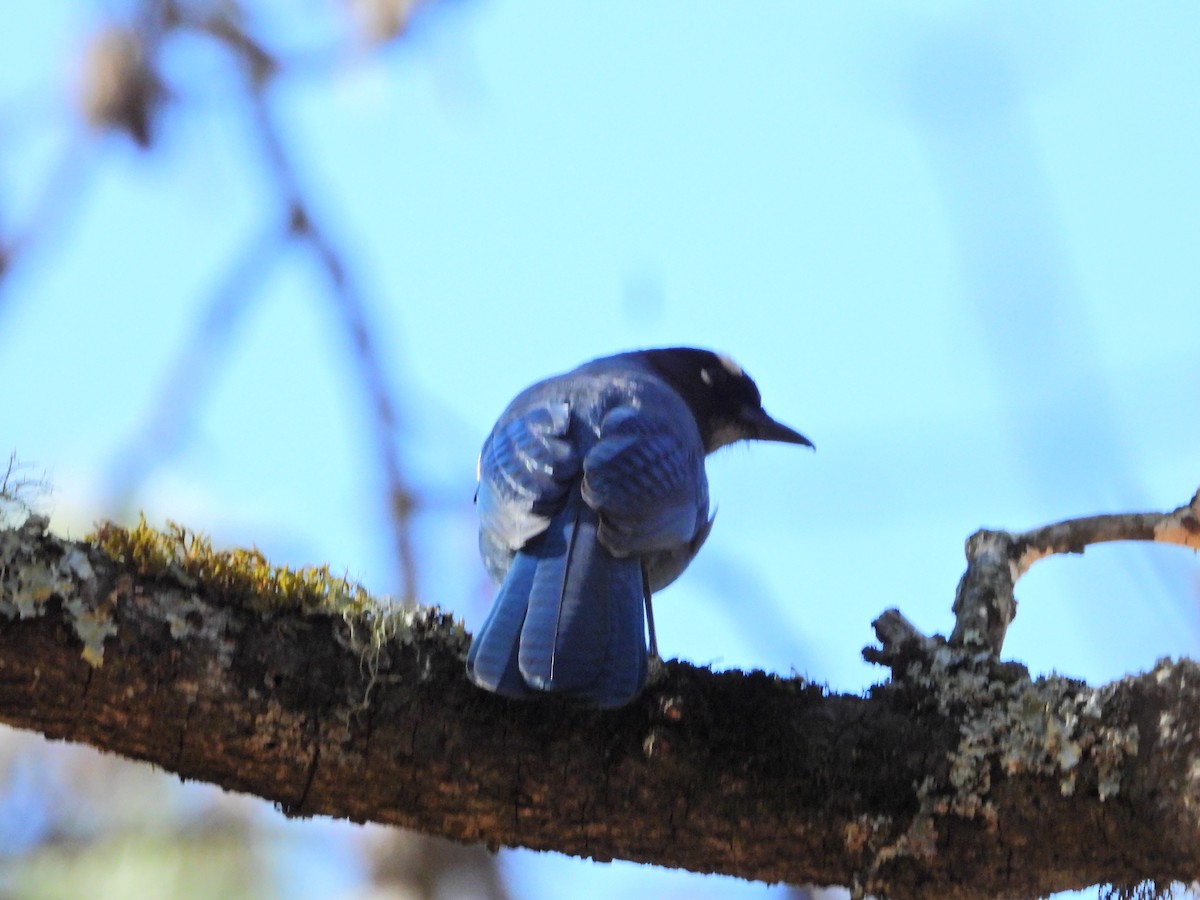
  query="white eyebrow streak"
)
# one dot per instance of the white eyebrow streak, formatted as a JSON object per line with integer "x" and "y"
{"x": 730, "y": 366}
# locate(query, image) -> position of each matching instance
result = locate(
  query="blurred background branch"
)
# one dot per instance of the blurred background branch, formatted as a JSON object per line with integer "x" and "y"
{"x": 124, "y": 91}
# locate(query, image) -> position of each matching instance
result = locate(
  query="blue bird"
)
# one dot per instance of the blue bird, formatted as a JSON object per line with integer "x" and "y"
{"x": 592, "y": 495}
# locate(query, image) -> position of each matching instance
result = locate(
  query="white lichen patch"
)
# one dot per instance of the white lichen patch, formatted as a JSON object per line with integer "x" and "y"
{"x": 1050, "y": 727}
{"x": 29, "y": 578}
{"x": 186, "y": 616}
{"x": 1176, "y": 729}
{"x": 411, "y": 623}
{"x": 92, "y": 626}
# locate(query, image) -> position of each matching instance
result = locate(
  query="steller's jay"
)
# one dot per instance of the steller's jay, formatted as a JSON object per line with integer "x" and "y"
{"x": 592, "y": 494}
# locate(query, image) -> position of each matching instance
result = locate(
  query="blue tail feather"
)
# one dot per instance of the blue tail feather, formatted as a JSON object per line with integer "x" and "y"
{"x": 568, "y": 619}
{"x": 492, "y": 660}
{"x": 624, "y": 671}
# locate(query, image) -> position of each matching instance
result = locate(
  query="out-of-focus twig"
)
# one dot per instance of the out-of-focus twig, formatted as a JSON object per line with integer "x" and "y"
{"x": 18, "y": 492}
{"x": 120, "y": 88}
{"x": 294, "y": 220}
{"x": 259, "y": 67}
{"x": 402, "y": 500}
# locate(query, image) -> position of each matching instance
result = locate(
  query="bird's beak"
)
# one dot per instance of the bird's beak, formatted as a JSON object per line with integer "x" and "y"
{"x": 767, "y": 429}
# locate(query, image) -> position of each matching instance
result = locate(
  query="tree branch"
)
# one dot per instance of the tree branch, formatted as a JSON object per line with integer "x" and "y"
{"x": 984, "y": 605}
{"x": 961, "y": 778}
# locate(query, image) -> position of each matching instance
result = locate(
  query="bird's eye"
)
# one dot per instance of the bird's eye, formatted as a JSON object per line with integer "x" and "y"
{"x": 706, "y": 377}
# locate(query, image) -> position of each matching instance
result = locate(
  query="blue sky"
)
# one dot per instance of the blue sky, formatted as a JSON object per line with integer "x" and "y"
{"x": 954, "y": 243}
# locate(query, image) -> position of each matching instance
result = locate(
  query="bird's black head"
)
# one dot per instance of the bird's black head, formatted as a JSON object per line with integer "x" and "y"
{"x": 723, "y": 398}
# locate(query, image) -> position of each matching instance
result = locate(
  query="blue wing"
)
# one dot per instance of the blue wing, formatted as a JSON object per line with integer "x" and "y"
{"x": 647, "y": 481}
{"x": 525, "y": 470}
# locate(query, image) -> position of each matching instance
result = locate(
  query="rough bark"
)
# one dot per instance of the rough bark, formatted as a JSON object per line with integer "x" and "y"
{"x": 960, "y": 777}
